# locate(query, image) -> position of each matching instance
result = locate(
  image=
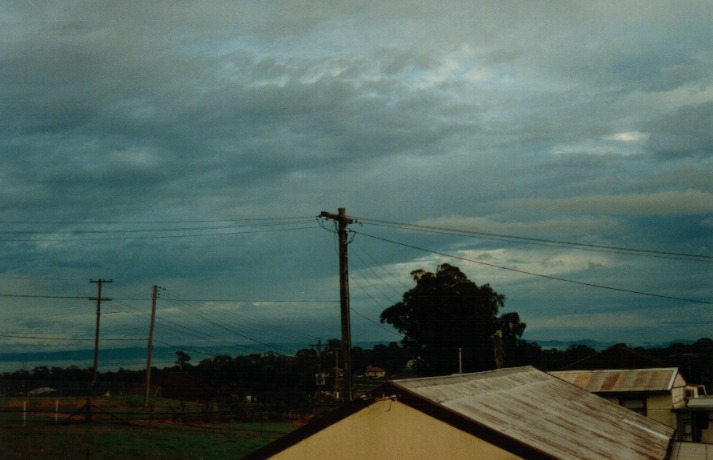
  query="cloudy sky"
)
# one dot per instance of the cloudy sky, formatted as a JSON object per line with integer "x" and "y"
{"x": 560, "y": 151}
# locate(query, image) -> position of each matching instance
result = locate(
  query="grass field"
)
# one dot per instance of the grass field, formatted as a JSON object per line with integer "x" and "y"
{"x": 37, "y": 436}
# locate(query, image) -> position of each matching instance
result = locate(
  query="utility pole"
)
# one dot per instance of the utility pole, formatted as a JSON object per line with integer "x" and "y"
{"x": 342, "y": 220}
{"x": 99, "y": 282}
{"x": 154, "y": 297}
{"x": 498, "y": 349}
{"x": 318, "y": 380}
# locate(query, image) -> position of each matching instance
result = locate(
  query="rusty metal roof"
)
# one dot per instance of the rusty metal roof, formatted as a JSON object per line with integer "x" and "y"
{"x": 624, "y": 380}
{"x": 545, "y": 413}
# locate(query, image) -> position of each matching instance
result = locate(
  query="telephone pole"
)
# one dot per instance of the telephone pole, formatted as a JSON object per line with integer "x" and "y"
{"x": 154, "y": 297}
{"x": 342, "y": 221}
{"x": 99, "y": 282}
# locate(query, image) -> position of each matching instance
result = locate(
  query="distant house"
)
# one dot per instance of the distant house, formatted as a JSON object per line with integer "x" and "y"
{"x": 41, "y": 391}
{"x": 502, "y": 414}
{"x": 654, "y": 393}
{"x": 695, "y": 421}
{"x": 374, "y": 372}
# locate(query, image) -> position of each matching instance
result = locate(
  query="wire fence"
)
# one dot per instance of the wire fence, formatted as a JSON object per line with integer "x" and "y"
{"x": 207, "y": 416}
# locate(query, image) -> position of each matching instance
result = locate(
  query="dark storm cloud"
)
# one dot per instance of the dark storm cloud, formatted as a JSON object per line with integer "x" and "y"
{"x": 588, "y": 122}
{"x": 687, "y": 132}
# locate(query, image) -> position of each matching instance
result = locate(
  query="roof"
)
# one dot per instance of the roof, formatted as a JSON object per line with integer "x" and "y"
{"x": 618, "y": 357}
{"x": 702, "y": 403}
{"x": 546, "y": 413}
{"x": 522, "y": 410}
{"x": 623, "y": 380}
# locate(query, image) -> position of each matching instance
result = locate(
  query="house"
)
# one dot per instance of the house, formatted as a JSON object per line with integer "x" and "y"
{"x": 501, "y": 414}
{"x": 654, "y": 392}
{"x": 374, "y": 372}
{"x": 695, "y": 421}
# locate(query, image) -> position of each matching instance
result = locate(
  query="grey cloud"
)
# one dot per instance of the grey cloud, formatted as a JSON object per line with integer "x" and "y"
{"x": 663, "y": 203}
{"x": 448, "y": 113}
{"x": 687, "y": 132}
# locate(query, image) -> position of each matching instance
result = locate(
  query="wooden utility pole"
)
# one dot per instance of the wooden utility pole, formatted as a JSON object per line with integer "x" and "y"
{"x": 154, "y": 297}
{"x": 99, "y": 282}
{"x": 498, "y": 349}
{"x": 342, "y": 221}
{"x": 318, "y": 380}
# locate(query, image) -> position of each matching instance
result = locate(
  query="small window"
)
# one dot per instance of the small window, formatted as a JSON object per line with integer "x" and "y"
{"x": 638, "y": 405}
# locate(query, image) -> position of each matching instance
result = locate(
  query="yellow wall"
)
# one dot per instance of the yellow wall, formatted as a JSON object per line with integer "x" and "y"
{"x": 707, "y": 435}
{"x": 392, "y": 430}
{"x": 659, "y": 408}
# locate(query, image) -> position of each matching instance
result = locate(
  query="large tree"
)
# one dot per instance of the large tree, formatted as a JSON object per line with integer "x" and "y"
{"x": 446, "y": 312}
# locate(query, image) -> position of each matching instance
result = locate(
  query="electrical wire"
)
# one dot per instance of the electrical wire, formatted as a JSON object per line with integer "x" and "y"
{"x": 152, "y": 222}
{"x": 540, "y": 275}
{"x": 541, "y": 241}
{"x": 222, "y": 326}
{"x": 387, "y": 274}
{"x": 42, "y": 296}
{"x": 155, "y": 237}
{"x": 69, "y": 339}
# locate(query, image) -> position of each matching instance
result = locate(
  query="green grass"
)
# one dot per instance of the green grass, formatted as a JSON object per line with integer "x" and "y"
{"x": 112, "y": 441}
{"x": 36, "y": 436}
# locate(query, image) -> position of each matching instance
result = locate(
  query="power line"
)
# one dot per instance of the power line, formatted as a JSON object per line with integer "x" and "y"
{"x": 378, "y": 324}
{"x": 221, "y": 325}
{"x": 69, "y": 339}
{"x": 151, "y": 222}
{"x": 41, "y": 296}
{"x": 245, "y": 321}
{"x": 542, "y": 241}
{"x": 555, "y": 278}
{"x": 388, "y": 274}
{"x": 47, "y": 296}
{"x": 155, "y": 237}
{"x": 152, "y": 230}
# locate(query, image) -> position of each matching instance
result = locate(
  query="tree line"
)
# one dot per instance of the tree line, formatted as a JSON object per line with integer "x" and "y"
{"x": 448, "y": 323}
{"x": 308, "y": 371}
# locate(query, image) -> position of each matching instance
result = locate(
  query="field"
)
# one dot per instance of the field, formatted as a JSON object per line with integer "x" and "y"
{"x": 57, "y": 428}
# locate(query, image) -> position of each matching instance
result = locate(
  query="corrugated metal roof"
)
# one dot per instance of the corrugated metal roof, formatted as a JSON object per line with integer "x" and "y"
{"x": 705, "y": 402}
{"x": 546, "y": 413}
{"x": 622, "y": 380}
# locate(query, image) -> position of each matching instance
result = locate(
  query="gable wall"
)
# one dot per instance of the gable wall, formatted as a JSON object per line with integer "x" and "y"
{"x": 659, "y": 408}
{"x": 392, "y": 430}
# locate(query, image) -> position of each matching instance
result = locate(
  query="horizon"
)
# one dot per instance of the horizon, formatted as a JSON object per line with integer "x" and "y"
{"x": 134, "y": 358}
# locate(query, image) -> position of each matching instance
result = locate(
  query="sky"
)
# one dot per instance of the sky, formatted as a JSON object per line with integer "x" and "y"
{"x": 561, "y": 152}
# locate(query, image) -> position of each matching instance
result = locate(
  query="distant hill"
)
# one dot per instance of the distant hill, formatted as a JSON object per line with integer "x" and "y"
{"x": 599, "y": 346}
{"x": 564, "y": 344}
{"x": 112, "y": 359}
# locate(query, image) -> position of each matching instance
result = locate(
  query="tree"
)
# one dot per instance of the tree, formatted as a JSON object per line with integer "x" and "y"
{"x": 446, "y": 312}
{"x": 182, "y": 359}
